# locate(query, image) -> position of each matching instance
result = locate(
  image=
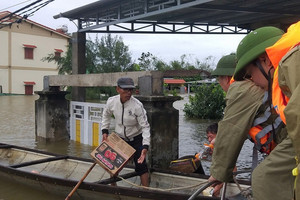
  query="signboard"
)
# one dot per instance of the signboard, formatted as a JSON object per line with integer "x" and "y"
{"x": 113, "y": 154}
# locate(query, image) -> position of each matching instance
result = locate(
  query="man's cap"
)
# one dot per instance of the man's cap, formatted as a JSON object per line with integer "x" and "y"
{"x": 225, "y": 66}
{"x": 253, "y": 45}
{"x": 126, "y": 83}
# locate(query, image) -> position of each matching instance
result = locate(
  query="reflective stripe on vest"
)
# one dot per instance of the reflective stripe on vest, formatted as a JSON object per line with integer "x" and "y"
{"x": 262, "y": 136}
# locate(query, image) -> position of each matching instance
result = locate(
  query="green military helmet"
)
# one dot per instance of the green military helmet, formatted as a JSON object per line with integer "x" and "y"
{"x": 225, "y": 66}
{"x": 253, "y": 45}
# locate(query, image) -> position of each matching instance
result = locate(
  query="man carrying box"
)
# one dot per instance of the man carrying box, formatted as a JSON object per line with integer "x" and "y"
{"x": 131, "y": 124}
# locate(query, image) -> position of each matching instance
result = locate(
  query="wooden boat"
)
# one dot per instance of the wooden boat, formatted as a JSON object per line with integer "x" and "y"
{"x": 59, "y": 174}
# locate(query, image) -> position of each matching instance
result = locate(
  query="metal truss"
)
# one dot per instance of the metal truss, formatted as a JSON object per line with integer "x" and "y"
{"x": 150, "y": 16}
{"x": 173, "y": 28}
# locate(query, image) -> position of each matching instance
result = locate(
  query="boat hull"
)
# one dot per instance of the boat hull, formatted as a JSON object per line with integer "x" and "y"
{"x": 61, "y": 175}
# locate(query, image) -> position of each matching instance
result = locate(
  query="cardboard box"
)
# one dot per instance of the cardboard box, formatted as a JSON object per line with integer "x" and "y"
{"x": 113, "y": 154}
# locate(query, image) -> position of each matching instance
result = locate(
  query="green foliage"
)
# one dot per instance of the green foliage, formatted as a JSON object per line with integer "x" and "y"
{"x": 113, "y": 54}
{"x": 174, "y": 92}
{"x": 206, "y": 64}
{"x": 109, "y": 54}
{"x": 93, "y": 93}
{"x": 147, "y": 62}
{"x": 64, "y": 64}
{"x": 208, "y": 102}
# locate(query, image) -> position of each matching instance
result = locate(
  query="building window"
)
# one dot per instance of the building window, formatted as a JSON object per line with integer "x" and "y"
{"x": 28, "y": 51}
{"x": 57, "y": 53}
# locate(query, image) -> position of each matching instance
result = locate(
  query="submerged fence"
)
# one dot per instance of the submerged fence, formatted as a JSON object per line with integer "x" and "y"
{"x": 85, "y": 122}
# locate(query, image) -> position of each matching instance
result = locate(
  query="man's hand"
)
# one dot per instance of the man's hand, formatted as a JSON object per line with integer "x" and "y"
{"x": 143, "y": 156}
{"x": 104, "y": 137}
{"x": 217, "y": 186}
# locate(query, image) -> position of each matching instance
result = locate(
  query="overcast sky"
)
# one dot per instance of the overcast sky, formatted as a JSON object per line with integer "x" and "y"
{"x": 165, "y": 46}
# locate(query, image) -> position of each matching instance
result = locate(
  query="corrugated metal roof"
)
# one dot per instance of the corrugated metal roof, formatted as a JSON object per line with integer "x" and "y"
{"x": 247, "y": 14}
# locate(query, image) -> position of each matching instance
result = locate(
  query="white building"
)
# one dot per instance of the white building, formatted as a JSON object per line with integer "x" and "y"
{"x": 23, "y": 45}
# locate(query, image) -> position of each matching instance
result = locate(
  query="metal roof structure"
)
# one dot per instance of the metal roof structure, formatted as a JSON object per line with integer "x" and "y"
{"x": 183, "y": 16}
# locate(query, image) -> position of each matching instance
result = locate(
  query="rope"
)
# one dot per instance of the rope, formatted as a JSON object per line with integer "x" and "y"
{"x": 163, "y": 190}
{"x": 243, "y": 192}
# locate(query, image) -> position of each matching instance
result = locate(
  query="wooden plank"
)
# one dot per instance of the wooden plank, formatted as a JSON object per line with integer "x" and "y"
{"x": 39, "y": 161}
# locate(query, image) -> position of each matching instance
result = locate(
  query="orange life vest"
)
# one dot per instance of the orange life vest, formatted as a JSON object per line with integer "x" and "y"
{"x": 262, "y": 136}
{"x": 265, "y": 144}
{"x": 275, "y": 53}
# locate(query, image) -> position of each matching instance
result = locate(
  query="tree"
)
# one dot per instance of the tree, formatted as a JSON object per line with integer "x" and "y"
{"x": 208, "y": 102}
{"x": 108, "y": 55}
{"x": 207, "y": 64}
{"x": 147, "y": 62}
{"x": 64, "y": 63}
{"x": 91, "y": 58}
{"x": 113, "y": 54}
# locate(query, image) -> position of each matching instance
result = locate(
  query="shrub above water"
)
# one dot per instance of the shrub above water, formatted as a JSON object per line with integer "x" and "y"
{"x": 207, "y": 103}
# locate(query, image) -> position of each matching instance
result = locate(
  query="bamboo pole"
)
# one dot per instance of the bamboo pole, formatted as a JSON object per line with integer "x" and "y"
{"x": 81, "y": 180}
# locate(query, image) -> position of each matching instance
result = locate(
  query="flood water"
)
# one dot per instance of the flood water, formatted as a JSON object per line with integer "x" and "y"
{"x": 17, "y": 126}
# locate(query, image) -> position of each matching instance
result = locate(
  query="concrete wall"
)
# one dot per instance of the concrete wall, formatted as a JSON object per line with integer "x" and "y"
{"x": 3, "y": 49}
{"x": 44, "y": 46}
{"x": 106, "y": 79}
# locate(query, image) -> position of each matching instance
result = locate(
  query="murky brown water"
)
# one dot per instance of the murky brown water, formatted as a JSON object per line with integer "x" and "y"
{"x": 17, "y": 127}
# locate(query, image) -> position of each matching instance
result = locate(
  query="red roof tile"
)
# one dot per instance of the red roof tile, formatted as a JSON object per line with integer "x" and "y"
{"x": 29, "y": 83}
{"x": 29, "y": 46}
{"x": 174, "y": 81}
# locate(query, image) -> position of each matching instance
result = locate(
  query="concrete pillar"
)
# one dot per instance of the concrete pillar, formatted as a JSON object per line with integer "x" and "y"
{"x": 51, "y": 116}
{"x": 151, "y": 85}
{"x": 78, "y": 63}
{"x": 164, "y": 123}
{"x": 182, "y": 90}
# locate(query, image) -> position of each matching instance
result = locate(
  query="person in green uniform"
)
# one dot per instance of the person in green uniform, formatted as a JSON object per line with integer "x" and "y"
{"x": 272, "y": 178}
{"x": 245, "y": 102}
{"x": 224, "y": 70}
{"x": 285, "y": 57}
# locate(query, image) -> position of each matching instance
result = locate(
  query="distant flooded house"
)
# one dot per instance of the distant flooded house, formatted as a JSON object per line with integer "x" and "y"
{"x": 23, "y": 45}
{"x": 173, "y": 79}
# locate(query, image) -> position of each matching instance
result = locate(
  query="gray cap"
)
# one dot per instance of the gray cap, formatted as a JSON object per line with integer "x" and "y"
{"x": 126, "y": 83}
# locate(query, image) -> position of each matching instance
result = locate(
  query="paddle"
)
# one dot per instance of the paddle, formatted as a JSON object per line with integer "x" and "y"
{"x": 81, "y": 180}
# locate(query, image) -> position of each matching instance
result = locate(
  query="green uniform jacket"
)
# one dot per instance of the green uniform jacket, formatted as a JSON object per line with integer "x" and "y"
{"x": 243, "y": 101}
{"x": 289, "y": 80}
